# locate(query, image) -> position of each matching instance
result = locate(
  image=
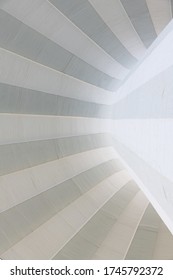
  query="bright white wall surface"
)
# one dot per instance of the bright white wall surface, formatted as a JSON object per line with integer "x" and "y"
{"x": 143, "y": 125}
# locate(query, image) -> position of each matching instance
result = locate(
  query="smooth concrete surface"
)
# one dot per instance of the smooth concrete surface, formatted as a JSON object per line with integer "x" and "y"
{"x": 86, "y": 129}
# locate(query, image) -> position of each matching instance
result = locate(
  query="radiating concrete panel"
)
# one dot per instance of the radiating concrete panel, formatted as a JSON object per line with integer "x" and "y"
{"x": 15, "y": 99}
{"x": 29, "y": 74}
{"x": 64, "y": 225}
{"x": 25, "y": 217}
{"x": 115, "y": 17}
{"x": 140, "y": 17}
{"x": 160, "y": 11}
{"x": 90, "y": 237}
{"x": 17, "y": 128}
{"x": 82, "y": 14}
{"x": 68, "y": 36}
{"x": 19, "y": 186}
{"x": 64, "y": 192}
{"x": 20, "y": 39}
{"x": 144, "y": 241}
{"x": 15, "y": 157}
{"x": 164, "y": 244}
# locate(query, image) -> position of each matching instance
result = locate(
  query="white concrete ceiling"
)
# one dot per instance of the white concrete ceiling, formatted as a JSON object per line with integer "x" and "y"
{"x": 65, "y": 191}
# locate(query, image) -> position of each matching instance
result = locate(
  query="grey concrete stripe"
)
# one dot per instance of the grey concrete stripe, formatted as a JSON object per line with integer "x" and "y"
{"x": 144, "y": 241}
{"x": 164, "y": 244}
{"x": 157, "y": 96}
{"x": 140, "y": 17}
{"x": 86, "y": 242}
{"x": 19, "y": 100}
{"x": 172, "y": 6}
{"x": 26, "y": 217}
{"x": 83, "y": 15}
{"x": 15, "y": 157}
{"x": 23, "y": 40}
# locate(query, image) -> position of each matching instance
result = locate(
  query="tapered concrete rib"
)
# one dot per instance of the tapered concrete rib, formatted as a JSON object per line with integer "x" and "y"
{"x": 22, "y": 185}
{"x": 79, "y": 11}
{"x": 141, "y": 20}
{"x": 18, "y": 128}
{"x": 119, "y": 238}
{"x": 49, "y": 202}
{"x": 164, "y": 9}
{"x": 115, "y": 17}
{"x": 144, "y": 241}
{"x": 95, "y": 241}
{"x": 81, "y": 46}
{"x": 86, "y": 129}
{"x": 164, "y": 244}
{"x": 43, "y": 50}
{"x": 32, "y": 75}
{"x": 42, "y": 244}
{"x": 15, "y": 157}
{"x": 15, "y": 99}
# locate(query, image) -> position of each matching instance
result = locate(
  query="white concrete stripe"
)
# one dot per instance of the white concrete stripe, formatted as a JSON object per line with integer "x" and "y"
{"x": 42, "y": 16}
{"x": 144, "y": 241}
{"x": 52, "y": 236}
{"x": 23, "y": 128}
{"x": 119, "y": 238}
{"x": 19, "y": 71}
{"x": 19, "y": 186}
{"x": 160, "y": 12}
{"x": 140, "y": 17}
{"x": 114, "y": 15}
{"x": 18, "y": 156}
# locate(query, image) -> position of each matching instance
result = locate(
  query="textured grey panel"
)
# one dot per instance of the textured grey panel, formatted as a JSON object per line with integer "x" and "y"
{"x": 19, "y": 100}
{"x": 140, "y": 17}
{"x": 14, "y": 157}
{"x": 150, "y": 218}
{"x": 22, "y": 219}
{"x": 95, "y": 175}
{"x": 21, "y": 39}
{"x": 144, "y": 241}
{"x": 26, "y": 217}
{"x": 85, "y": 72}
{"x": 156, "y": 94}
{"x": 86, "y": 242}
{"x": 136, "y": 252}
{"x": 82, "y": 14}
